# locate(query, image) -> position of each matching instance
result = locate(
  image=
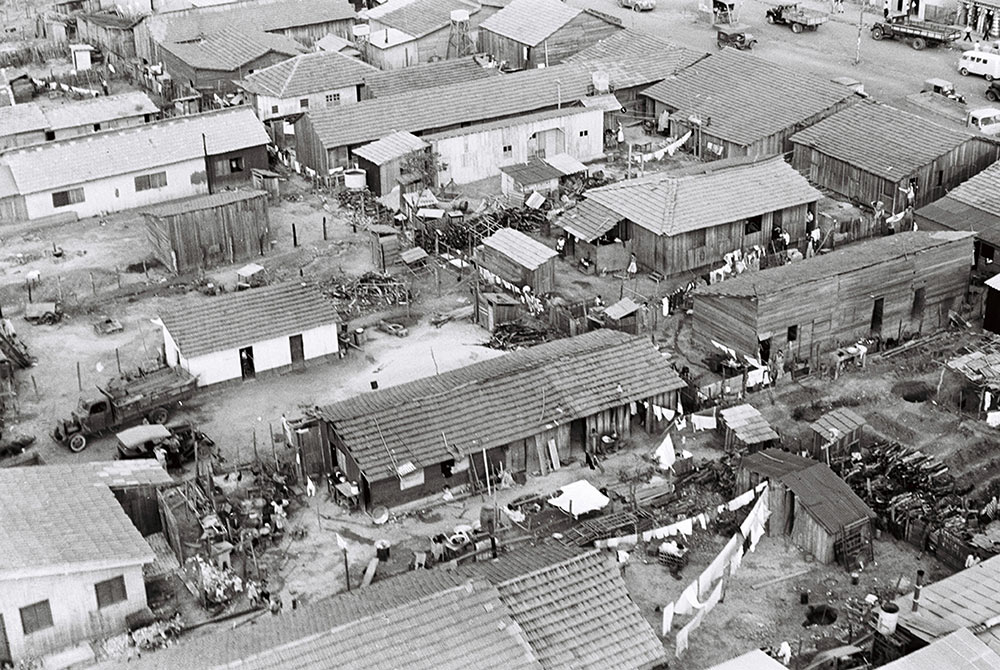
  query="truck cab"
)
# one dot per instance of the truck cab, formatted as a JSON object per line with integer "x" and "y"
{"x": 92, "y": 415}
{"x": 944, "y": 88}
{"x": 986, "y": 120}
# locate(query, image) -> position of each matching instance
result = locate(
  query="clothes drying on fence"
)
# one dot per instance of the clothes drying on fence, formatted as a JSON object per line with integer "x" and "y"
{"x": 668, "y": 619}
{"x": 682, "y": 641}
{"x": 717, "y": 568}
{"x": 739, "y": 501}
{"x": 737, "y": 560}
{"x": 701, "y": 423}
{"x": 688, "y": 601}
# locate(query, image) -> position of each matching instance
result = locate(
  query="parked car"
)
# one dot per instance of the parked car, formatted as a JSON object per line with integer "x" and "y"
{"x": 735, "y": 35}
{"x": 638, "y": 5}
{"x": 984, "y": 63}
{"x": 943, "y": 87}
{"x": 993, "y": 92}
{"x": 179, "y": 441}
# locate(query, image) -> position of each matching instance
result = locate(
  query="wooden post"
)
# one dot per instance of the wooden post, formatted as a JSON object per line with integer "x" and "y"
{"x": 27, "y": 284}
{"x": 35, "y": 385}
{"x": 256, "y": 458}
{"x": 274, "y": 454}
{"x": 79, "y": 378}
{"x": 324, "y": 229}
{"x": 59, "y": 286}
{"x": 347, "y": 572}
{"x": 295, "y": 236}
{"x": 118, "y": 360}
{"x": 93, "y": 283}
{"x": 145, "y": 270}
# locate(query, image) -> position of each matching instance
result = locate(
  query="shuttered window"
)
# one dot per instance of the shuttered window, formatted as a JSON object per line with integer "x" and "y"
{"x": 36, "y": 617}
{"x": 146, "y": 182}
{"x": 110, "y": 591}
{"x": 64, "y": 198}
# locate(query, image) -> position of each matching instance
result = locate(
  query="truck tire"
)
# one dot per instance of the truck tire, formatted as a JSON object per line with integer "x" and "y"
{"x": 796, "y": 28}
{"x": 159, "y": 415}
{"x": 770, "y": 19}
{"x": 77, "y": 443}
{"x": 963, "y": 72}
{"x": 877, "y": 33}
{"x": 991, "y": 95}
{"x": 989, "y": 77}
{"x": 919, "y": 43}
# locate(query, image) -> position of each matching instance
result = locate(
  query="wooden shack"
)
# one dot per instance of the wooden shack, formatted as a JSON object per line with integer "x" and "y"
{"x": 835, "y": 435}
{"x": 745, "y": 429}
{"x": 890, "y": 288}
{"x": 597, "y": 234}
{"x": 520, "y": 261}
{"x": 384, "y": 245}
{"x": 523, "y": 179}
{"x": 814, "y": 506}
{"x": 383, "y": 160}
{"x": 623, "y": 316}
{"x": 209, "y": 230}
{"x": 497, "y": 308}
{"x": 839, "y": 154}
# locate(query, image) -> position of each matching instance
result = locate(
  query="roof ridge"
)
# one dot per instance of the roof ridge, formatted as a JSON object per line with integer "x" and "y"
{"x": 581, "y": 558}
{"x": 291, "y": 74}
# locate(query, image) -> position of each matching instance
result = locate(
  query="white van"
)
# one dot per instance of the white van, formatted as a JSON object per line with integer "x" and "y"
{"x": 985, "y": 63}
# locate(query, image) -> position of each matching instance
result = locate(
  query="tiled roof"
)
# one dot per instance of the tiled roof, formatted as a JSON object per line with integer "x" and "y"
{"x": 578, "y": 614}
{"x": 534, "y": 171}
{"x": 748, "y": 424}
{"x": 200, "y": 202}
{"x": 390, "y": 148}
{"x": 588, "y": 220}
{"x": 965, "y": 599}
{"x": 23, "y": 118}
{"x": 494, "y": 402}
{"x": 419, "y": 17}
{"x": 671, "y": 204}
{"x": 230, "y": 49}
{"x": 978, "y": 367}
{"x": 747, "y": 98}
{"x": 838, "y": 423}
{"x": 774, "y": 463}
{"x": 507, "y": 122}
{"x": 63, "y": 521}
{"x": 631, "y": 43}
{"x": 248, "y": 317}
{"x": 120, "y": 474}
{"x": 752, "y": 660}
{"x": 99, "y": 155}
{"x": 519, "y": 561}
{"x": 100, "y": 110}
{"x": 972, "y": 205}
{"x": 621, "y": 309}
{"x": 882, "y": 140}
{"x": 308, "y": 73}
{"x": 960, "y": 650}
{"x": 190, "y": 24}
{"x": 386, "y": 83}
{"x": 530, "y": 22}
{"x": 854, "y": 257}
{"x": 827, "y": 498}
{"x": 519, "y": 248}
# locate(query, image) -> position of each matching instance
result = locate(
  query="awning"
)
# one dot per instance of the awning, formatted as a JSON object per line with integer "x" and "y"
{"x": 606, "y": 102}
{"x": 579, "y": 498}
{"x": 430, "y": 213}
{"x": 566, "y": 164}
{"x": 588, "y": 220}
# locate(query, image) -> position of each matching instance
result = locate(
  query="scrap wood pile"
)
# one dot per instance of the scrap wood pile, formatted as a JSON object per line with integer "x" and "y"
{"x": 12, "y": 346}
{"x": 364, "y": 204}
{"x": 508, "y": 336}
{"x": 720, "y": 474}
{"x": 370, "y": 292}
{"x": 576, "y": 184}
{"x": 461, "y": 234}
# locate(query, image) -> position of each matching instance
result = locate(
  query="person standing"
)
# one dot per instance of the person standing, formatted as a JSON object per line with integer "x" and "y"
{"x": 633, "y": 267}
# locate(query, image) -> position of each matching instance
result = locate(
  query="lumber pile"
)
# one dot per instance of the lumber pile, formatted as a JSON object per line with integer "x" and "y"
{"x": 370, "y": 292}
{"x": 507, "y": 336}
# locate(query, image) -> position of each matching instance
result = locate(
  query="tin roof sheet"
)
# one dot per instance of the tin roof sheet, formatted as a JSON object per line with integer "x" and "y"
{"x": 535, "y": 171}
{"x": 826, "y": 497}
{"x": 530, "y": 22}
{"x": 775, "y": 463}
{"x": 520, "y": 248}
{"x": 838, "y": 423}
{"x": 960, "y": 650}
{"x": 200, "y": 202}
{"x": 100, "y": 110}
{"x": 391, "y": 147}
{"x": 588, "y": 220}
{"x": 972, "y": 205}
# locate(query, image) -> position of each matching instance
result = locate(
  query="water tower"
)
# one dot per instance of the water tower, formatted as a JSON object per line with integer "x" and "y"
{"x": 459, "y": 41}
{"x": 362, "y": 38}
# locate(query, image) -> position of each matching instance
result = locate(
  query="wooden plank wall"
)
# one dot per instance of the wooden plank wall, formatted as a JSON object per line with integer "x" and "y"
{"x": 141, "y": 505}
{"x": 206, "y": 238}
{"x": 731, "y": 321}
{"x": 811, "y": 536}
{"x": 309, "y": 150}
{"x": 503, "y": 49}
{"x": 578, "y": 34}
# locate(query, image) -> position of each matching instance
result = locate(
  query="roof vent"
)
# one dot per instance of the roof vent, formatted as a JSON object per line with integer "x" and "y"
{"x": 601, "y": 82}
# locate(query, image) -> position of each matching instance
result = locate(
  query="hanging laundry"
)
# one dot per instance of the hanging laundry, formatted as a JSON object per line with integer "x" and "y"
{"x": 668, "y": 619}
{"x": 756, "y": 532}
{"x": 717, "y": 568}
{"x": 699, "y": 616}
{"x": 665, "y": 454}
{"x": 755, "y": 377}
{"x": 688, "y": 600}
{"x": 701, "y": 423}
{"x": 703, "y": 520}
{"x": 739, "y": 501}
{"x": 674, "y": 146}
{"x": 632, "y": 409}
{"x": 734, "y": 565}
{"x": 685, "y": 527}
{"x": 713, "y": 599}
{"x": 785, "y": 653}
{"x": 682, "y": 641}
{"x": 658, "y": 412}
{"x": 987, "y": 398}
{"x": 668, "y": 414}
{"x": 681, "y": 423}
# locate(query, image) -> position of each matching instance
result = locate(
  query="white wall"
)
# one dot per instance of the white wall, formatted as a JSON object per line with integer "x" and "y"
{"x": 114, "y": 194}
{"x": 479, "y": 154}
{"x": 111, "y": 124}
{"x": 73, "y": 603}
{"x": 222, "y": 366}
{"x": 287, "y": 106}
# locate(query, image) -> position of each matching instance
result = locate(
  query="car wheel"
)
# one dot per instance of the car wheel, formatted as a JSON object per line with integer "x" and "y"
{"x": 78, "y": 443}
{"x": 770, "y": 19}
{"x": 989, "y": 77}
{"x": 796, "y": 28}
{"x": 991, "y": 95}
{"x": 158, "y": 415}
{"x": 877, "y": 33}
{"x": 919, "y": 43}
{"x": 636, "y": 8}
{"x": 964, "y": 72}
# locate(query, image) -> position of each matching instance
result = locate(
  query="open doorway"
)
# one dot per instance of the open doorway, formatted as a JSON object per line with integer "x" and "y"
{"x": 877, "y": 311}
{"x": 247, "y": 368}
{"x": 296, "y": 349}
{"x": 765, "y": 350}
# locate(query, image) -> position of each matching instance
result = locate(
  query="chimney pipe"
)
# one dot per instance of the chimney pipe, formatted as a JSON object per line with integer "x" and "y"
{"x": 916, "y": 590}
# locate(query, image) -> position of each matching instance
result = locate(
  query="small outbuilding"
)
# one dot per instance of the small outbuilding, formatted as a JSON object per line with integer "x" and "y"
{"x": 836, "y": 434}
{"x": 814, "y": 506}
{"x": 383, "y": 159}
{"x": 497, "y": 308}
{"x": 520, "y": 260}
{"x": 525, "y": 178}
{"x": 745, "y": 429}
{"x": 597, "y": 234}
{"x": 240, "y": 335}
{"x": 384, "y": 244}
{"x": 210, "y": 230}
{"x": 623, "y": 316}
{"x": 973, "y": 381}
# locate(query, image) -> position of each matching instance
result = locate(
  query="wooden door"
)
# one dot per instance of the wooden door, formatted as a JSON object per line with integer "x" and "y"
{"x": 247, "y": 368}
{"x": 297, "y": 350}
{"x": 5, "y": 656}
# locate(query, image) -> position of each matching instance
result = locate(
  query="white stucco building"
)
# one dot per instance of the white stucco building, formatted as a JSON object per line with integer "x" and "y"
{"x": 71, "y": 564}
{"x": 240, "y": 335}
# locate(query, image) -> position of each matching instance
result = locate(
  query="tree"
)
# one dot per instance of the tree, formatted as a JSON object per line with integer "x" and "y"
{"x": 425, "y": 164}
{"x": 635, "y": 472}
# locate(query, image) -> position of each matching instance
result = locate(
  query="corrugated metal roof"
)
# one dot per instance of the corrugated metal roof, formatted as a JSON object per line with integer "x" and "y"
{"x": 519, "y": 561}
{"x": 827, "y": 498}
{"x": 588, "y": 220}
{"x": 24, "y": 118}
{"x": 746, "y": 98}
{"x": 621, "y": 309}
{"x": 386, "y": 83}
{"x": 773, "y": 463}
{"x": 494, "y": 402}
{"x": 965, "y": 599}
{"x": 390, "y": 148}
{"x": 960, "y": 650}
{"x": 200, "y": 202}
{"x": 748, "y": 424}
{"x": 529, "y": 22}
{"x": 578, "y": 614}
{"x": 566, "y": 164}
{"x": 837, "y": 423}
{"x": 100, "y": 110}
{"x": 190, "y": 24}
{"x": 972, "y": 205}
{"x": 672, "y": 204}
{"x": 854, "y": 257}
{"x": 63, "y": 520}
{"x": 882, "y": 140}
{"x": 535, "y": 171}
{"x": 308, "y": 73}
{"x": 80, "y": 160}
{"x": 335, "y": 43}
{"x": 752, "y": 660}
{"x": 230, "y": 49}
{"x": 519, "y": 248}
{"x": 248, "y": 317}
{"x": 418, "y": 17}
